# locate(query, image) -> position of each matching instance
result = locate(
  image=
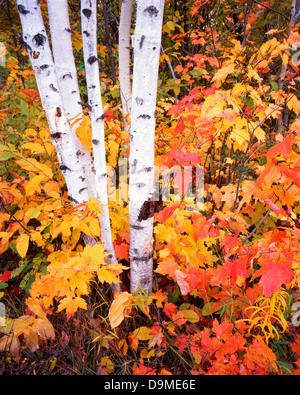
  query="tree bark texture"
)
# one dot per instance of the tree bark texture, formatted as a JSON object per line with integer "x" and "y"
{"x": 89, "y": 40}
{"x": 147, "y": 44}
{"x": 124, "y": 56}
{"x": 36, "y": 42}
{"x": 67, "y": 77}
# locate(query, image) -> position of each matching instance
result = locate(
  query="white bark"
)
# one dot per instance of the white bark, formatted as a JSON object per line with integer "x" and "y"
{"x": 37, "y": 45}
{"x": 89, "y": 40}
{"x": 295, "y": 16}
{"x": 67, "y": 77}
{"x": 124, "y": 56}
{"x": 147, "y": 43}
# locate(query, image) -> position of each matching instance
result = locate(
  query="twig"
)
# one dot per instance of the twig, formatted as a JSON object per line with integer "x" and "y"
{"x": 271, "y": 9}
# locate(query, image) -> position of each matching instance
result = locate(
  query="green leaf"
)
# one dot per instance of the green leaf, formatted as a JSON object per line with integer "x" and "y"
{"x": 207, "y": 309}
{"x": 33, "y": 212}
{"x": 196, "y": 73}
{"x": 274, "y": 85}
{"x": 3, "y": 285}
{"x": 19, "y": 270}
{"x": 24, "y": 108}
{"x": 6, "y": 155}
{"x": 115, "y": 93}
{"x": 29, "y": 283}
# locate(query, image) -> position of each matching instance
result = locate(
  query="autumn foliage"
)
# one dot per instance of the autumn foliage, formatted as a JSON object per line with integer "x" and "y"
{"x": 227, "y": 272}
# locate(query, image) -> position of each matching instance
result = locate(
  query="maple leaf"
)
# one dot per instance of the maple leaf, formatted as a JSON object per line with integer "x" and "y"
{"x": 108, "y": 276}
{"x": 71, "y": 305}
{"x": 293, "y": 174}
{"x": 259, "y": 354}
{"x": 182, "y": 342}
{"x": 167, "y": 268}
{"x": 235, "y": 271}
{"x": 5, "y": 276}
{"x": 166, "y": 213}
{"x": 122, "y": 250}
{"x": 222, "y": 73}
{"x": 178, "y": 318}
{"x": 284, "y": 148}
{"x": 273, "y": 276}
{"x": 183, "y": 285}
{"x": 170, "y": 309}
{"x": 223, "y": 330}
{"x": 233, "y": 344}
{"x": 84, "y": 132}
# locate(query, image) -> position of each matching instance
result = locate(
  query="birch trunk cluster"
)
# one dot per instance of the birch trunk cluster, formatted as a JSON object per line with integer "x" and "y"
{"x": 56, "y": 76}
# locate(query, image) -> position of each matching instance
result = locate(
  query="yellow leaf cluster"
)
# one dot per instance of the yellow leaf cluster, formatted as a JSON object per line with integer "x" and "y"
{"x": 69, "y": 275}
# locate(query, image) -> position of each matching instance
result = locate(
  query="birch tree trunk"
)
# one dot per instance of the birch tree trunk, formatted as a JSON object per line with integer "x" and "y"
{"x": 146, "y": 43}
{"x": 67, "y": 77}
{"x": 124, "y": 56}
{"x": 89, "y": 40}
{"x": 37, "y": 45}
{"x": 294, "y": 18}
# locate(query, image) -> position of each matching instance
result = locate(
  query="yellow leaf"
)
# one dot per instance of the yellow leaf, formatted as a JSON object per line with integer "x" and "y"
{"x": 191, "y": 316}
{"x": 32, "y": 164}
{"x": 260, "y": 134}
{"x": 33, "y": 184}
{"x": 22, "y": 323}
{"x": 117, "y": 309}
{"x": 93, "y": 224}
{"x": 84, "y": 132}
{"x": 108, "y": 276}
{"x": 105, "y": 361}
{"x": 222, "y": 74}
{"x": 30, "y": 132}
{"x": 84, "y": 228}
{"x": 72, "y": 304}
{"x": 143, "y": 333}
{"x": 294, "y": 104}
{"x": 22, "y": 244}
{"x": 35, "y": 148}
{"x": 66, "y": 228}
{"x": 35, "y": 307}
{"x": 113, "y": 153}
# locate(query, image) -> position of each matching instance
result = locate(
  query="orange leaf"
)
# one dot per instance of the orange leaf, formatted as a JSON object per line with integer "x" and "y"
{"x": 22, "y": 244}
{"x": 167, "y": 268}
{"x": 117, "y": 309}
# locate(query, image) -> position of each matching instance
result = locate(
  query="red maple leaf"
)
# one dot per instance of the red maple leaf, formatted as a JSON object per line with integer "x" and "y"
{"x": 170, "y": 309}
{"x": 273, "y": 276}
{"x": 5, "y": 276}
{"x": 166, "y": 213}
{"x": 284, "y": 148}
{"x": 121, "y": 251}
